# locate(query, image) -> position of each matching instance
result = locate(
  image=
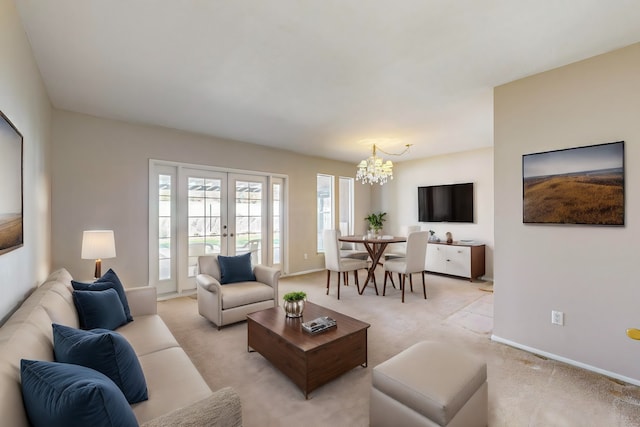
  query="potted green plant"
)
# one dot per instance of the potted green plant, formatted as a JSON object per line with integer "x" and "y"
{"x": 294, "y": 303}
{"x": 376, "y": 220}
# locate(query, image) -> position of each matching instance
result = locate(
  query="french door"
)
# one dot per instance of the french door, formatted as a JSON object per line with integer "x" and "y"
{"x": 204, "y": 212}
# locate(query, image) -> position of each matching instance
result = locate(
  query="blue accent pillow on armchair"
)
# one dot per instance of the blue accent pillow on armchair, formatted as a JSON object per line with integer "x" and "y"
{"x": 105, "y": 351}
{"x": 236, "y": 269}
{"x": 99, "y": 309}
{"x": 66, "y": 395}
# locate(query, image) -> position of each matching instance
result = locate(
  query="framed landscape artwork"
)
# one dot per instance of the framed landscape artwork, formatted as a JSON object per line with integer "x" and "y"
{"x": 11, "y": 234}
{"x": 583, "y": 185}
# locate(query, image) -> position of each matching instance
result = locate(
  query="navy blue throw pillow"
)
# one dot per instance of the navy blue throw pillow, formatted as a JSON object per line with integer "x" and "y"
{"x": 235, "y": 268}
{"x": 105, "y": 351}
{"x": 108, "y": 280}
{"x": 99, "y": 309}
{"x": 65, "y": 395}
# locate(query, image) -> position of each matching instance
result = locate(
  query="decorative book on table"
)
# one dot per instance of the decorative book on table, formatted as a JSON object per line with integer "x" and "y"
{"x": 318, "y": 325}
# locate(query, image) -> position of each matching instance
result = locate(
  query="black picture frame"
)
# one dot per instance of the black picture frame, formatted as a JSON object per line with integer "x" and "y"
{"x": 11, "y": 186}
{"x": 580, "y": 185}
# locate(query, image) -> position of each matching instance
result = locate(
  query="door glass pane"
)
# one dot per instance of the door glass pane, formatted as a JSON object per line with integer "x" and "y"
{"x": 164, "y": 227}
{"x": 249, "y": 219}
{"x": 204, "y": 199}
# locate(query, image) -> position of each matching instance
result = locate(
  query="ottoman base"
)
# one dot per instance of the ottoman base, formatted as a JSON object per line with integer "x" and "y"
{"x": 386, "y": 411}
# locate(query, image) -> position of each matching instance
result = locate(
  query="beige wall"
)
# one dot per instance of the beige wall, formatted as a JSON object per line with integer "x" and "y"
{"x": 24, "y": 100}
{"x": 399, "y": 198}
{"x": 588, "y": 272}
{"x": 100, "y": 180}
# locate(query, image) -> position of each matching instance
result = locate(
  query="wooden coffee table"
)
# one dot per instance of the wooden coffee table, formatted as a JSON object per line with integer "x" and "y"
{"x": 308, "y": 360}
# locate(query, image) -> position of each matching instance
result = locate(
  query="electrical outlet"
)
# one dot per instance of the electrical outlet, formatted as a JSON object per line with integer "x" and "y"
{"x": 306, "y": 256}
{"x": 557, "y": 317}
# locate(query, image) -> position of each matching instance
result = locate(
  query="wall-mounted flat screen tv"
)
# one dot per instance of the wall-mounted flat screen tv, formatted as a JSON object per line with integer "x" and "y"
{"x": 582, "y": 185}
{"x": 446, "y": 203}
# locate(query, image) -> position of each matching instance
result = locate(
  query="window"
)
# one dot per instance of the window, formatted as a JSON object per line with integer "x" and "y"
{"x": 325, "y": 206}
{"x": 345, "y": 205}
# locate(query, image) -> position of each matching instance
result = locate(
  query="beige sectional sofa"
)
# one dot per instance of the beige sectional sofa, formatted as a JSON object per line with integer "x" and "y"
{"x": 177, "y": 392}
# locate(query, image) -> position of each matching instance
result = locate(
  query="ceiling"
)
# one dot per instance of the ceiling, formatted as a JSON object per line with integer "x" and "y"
{"x": 325, "y": 77}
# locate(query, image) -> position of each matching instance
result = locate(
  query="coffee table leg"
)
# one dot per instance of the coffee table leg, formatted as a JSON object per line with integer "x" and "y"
{"x": 366, "y": 349}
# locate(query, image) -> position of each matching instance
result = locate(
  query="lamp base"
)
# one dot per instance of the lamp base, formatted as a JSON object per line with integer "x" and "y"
{"x": 98, "y": 271}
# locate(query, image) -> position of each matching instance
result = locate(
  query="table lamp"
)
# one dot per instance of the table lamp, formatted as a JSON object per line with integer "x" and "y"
{"x": 98, "y": 244}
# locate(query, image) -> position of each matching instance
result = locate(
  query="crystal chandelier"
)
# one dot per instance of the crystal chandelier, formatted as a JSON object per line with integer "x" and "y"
{"x": 375, "y": 170}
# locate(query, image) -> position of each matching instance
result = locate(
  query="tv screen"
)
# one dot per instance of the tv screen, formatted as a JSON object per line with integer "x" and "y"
{"x": 446, "y": 203}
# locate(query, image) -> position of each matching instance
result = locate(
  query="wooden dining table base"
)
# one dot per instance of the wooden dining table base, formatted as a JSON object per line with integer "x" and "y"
{"x": 375, "y": 248}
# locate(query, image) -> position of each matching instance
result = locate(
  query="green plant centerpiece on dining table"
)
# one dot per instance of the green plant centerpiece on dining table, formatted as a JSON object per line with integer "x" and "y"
{"x": 294, "y": 303}
{"x": 375, "y": 221}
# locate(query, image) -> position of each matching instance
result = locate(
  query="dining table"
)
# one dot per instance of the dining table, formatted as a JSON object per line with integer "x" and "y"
{"x": 375, "y": 246}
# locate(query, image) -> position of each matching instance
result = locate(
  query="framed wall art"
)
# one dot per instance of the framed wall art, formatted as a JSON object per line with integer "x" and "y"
{"x": 583, "y": 185}
{"x": 11, "y": 205}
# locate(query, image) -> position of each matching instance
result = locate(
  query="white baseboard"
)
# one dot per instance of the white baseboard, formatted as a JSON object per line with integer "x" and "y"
{"x": 566, "y": 360}
{"x": 172, "y": 295}
{"x": 300, "y": 273}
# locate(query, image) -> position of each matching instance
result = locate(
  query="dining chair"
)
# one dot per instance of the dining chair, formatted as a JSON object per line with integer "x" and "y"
{"x": 412, "y": 263}
{"x": 333, "y": 261}
{"x": 400, "y": 249}
{"x": 349, "y": 249}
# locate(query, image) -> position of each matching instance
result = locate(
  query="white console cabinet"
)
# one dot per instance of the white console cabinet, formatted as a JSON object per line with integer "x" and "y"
{"x": 455, "y": 259}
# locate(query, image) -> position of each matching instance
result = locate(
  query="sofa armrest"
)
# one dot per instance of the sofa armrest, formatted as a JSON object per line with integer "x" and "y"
{"x": 267, "y": 275}
{"x": 142, "y": 300}
{"x": 223, "y": 409}
{"x": 208, "y": 282}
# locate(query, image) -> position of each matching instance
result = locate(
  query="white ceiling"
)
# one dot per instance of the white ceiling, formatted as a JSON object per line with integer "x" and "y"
{"x": 322, "y": 77}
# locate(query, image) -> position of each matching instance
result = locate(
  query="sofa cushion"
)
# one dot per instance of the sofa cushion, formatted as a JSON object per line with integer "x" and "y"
{"x": 99, "y": 309}
{"x": 108, "y": 280}
{"x": 148, "y": 334}
{"x": 59, "y": 309}
{"x": 61, "y": 394}
{"x": 235, "y": 268}
{"x": 105, "y": 351}
{"x": 244, "y": 293}
{"x": 173, "y": 381}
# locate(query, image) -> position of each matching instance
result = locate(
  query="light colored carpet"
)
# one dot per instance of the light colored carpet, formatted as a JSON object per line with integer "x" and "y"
{"x": 524, "y": 390}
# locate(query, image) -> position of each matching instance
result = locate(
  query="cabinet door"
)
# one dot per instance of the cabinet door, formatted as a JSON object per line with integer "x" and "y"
{"x": 459, "y": 261}
{"x": 436, "y": 258}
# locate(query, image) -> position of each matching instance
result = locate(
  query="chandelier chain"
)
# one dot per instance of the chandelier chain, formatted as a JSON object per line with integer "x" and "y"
{"x": 374, "y": 169}
{"x": 406, "y": 148}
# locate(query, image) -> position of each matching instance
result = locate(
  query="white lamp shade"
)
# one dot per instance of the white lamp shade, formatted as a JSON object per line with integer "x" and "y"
{"x": 98, "y": 244}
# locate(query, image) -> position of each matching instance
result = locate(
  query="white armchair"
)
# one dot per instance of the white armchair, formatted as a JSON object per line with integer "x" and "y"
{"x": 230, "y": 303}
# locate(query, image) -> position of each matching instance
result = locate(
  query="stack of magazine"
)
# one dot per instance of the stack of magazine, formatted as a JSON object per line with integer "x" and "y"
{"x": 318, "y": 325}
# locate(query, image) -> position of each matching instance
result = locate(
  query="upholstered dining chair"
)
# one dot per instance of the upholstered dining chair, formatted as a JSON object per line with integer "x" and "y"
{"x": 342, "y": 266}
{"x": 400, "y": 249}
{"x": 412, "y": 263}
{"x": 349, "y": 249}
